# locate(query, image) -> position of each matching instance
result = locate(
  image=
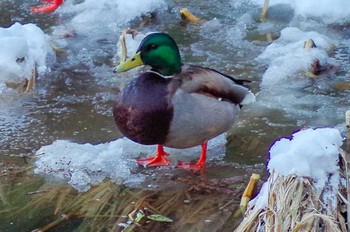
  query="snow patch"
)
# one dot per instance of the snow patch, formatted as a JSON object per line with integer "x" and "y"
{"x": 309, "y": 153}
{"x": 328, "y": 11}
{"x": 93, "y": 15}
{"x": 287, "y": 57}
{"x": 23, "y": 47}
{"x": 83, "y": 165}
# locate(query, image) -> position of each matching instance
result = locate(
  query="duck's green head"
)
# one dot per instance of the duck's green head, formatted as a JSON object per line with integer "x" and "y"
{"x": 157, "y": 50}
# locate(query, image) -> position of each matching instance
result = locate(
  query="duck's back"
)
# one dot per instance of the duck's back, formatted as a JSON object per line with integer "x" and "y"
{"x": 206, "y": 104}
{"x": 143, "y": 112}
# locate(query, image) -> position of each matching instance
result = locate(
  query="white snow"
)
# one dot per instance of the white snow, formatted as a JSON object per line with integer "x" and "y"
{"x": 302, "y": 154}
{"x": 83, "y": 165}
{"x": 22, "y": 48}
{"x": 310, "y": 153}
{"x": 287, "y": 58}
{"x": 289, "y": 82}
{"x": 106, "y": 15}
{"x": 328, "y": 11}
{"x": 260, "y": 201}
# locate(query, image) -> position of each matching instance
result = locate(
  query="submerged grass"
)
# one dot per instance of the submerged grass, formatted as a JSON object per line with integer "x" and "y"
{"x": 193, "y": 203}
{"x": 109, "y": 207}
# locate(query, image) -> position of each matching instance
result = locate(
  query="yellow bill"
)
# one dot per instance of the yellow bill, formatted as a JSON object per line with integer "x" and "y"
{"x": 130, "y": 63}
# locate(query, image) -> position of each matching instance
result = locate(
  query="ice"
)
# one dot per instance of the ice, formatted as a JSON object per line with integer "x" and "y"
{"x": 2, "y": 87}
{"x": 288, "y": 79}
{"x": 83, "y": 165}
{"x": 23, "y": 47}
{"x": 328, "y": 11}
{"x": 91, "y": 29}
{"x": 236, "y": 35}
{"x": 287, "y": 57}
{"x": 91, "y": 16}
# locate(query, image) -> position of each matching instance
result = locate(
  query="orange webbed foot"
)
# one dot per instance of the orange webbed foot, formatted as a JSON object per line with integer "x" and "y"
{"x": 195, "y": 167}
{"x": 47, "y": 8}
{"x": 158, "y": 160}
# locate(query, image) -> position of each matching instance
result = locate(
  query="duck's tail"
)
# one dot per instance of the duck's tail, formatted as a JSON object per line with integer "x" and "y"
{"x": 249, "y": 98}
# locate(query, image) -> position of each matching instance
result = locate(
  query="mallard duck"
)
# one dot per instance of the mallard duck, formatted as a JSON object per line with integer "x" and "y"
{"x": 175, "y": 105}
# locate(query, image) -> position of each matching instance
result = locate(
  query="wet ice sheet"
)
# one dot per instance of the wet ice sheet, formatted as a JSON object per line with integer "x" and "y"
{"x": 83, "y": 165}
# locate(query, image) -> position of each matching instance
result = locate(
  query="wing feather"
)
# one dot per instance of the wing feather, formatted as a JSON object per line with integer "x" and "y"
{"x": 196, "y": 79}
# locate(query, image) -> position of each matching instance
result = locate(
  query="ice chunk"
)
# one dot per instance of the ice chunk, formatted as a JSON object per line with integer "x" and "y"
{"x": 91, "y": 15}
{"x": 287, "y": 56}
{"x": 23, "y": 47}
{"x": 83, "y": 165}
{"x": 328, "y": 11}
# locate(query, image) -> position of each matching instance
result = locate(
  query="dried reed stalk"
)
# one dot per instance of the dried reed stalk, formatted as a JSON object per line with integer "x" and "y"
{"x": 293, "y": 206}
{"x": 263, "y": 16}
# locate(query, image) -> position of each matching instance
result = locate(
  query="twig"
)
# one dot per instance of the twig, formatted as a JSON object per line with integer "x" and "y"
{"x": 264, "y": 10}
{"x": 248, "y": 192}
{"x": 37, "y": 192}
{"x": 54, "y": 223}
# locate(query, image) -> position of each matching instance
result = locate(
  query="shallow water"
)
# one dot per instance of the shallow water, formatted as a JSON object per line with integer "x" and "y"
{"x": 74, "y": 101}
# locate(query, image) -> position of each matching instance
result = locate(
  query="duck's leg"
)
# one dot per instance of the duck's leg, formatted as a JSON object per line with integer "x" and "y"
{"x": 158, "y": 160}
{"x": 191, "y": 166}
{"x": 47, "y": 8}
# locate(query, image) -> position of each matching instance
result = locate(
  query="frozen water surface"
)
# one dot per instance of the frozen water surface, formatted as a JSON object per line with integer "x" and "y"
{"x": 73, "y": 101}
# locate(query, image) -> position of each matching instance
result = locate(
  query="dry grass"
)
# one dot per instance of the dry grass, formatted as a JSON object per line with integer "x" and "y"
{"x": 293, "y": 205}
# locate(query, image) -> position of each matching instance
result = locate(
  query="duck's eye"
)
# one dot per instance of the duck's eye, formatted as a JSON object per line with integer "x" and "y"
{"x": 152, "y": 47}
